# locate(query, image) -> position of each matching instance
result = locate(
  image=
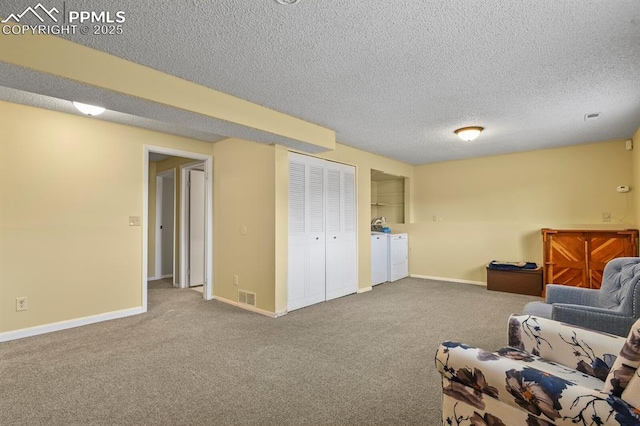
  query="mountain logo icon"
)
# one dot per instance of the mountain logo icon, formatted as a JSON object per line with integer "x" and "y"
{"x": 34, "y": 10}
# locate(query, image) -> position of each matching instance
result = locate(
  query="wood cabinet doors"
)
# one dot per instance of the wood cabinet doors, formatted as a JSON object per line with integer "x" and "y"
{"x": 578, "y": 257}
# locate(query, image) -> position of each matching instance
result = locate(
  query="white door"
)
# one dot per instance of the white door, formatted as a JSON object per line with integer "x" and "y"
{"x": 316, "y": 257}
{"x": 167, "y": 225}
{"x": 322, "y": 231}
{"x": 196, "y": 271}
{"x": 341, "y": 245}
{"x": 297, "y": 263}
{"x": 350, "y": 235}
{"x": 334, "y": 246}
{"x": 306, "y": 266}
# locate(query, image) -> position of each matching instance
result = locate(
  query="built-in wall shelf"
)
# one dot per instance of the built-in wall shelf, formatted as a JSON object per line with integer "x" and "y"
{"x": 387, "y": 196}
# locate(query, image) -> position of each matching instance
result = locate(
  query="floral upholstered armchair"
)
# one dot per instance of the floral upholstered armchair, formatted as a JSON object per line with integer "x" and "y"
{"x": 551, "y": 374}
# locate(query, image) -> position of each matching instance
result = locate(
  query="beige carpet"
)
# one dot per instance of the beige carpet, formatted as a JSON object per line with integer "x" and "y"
{"x": 363, "y": 359}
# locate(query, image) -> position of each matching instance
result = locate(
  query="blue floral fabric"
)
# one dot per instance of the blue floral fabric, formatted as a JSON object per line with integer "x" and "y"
{"x": 552, "y": 374}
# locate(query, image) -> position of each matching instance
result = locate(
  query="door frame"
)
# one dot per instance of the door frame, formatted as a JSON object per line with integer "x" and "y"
{"x": 208, "y": 168}
{"x": 184, "y": 211}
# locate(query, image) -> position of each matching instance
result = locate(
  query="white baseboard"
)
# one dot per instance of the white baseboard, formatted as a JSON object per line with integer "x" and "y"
{"x": 247, "y": 307}
{"x": 63, "y": 325}
{"x": 365, "y": 289}
{"x": 152, "y": 279}
{"x": 453, "y": 280}
{"x": 166, "y": 276}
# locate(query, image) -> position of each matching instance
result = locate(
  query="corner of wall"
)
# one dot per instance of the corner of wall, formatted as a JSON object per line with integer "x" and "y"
{"x": 282, "y": 225}
{"x": 636, "y": 177}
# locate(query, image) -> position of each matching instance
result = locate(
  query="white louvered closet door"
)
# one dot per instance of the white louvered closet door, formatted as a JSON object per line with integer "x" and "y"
{"x": 306, "y": 266}
{"x": 335, "y": 216}
{"x": 349, "y": 235}
{"x": 316, "y": 233}
{"x": 322, "y": 231}
{"x": 341, "y": 231}
{"x": 297, "y": 233}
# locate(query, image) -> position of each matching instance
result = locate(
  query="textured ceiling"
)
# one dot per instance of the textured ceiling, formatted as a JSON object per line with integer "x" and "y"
{"x": 396, "y": 77}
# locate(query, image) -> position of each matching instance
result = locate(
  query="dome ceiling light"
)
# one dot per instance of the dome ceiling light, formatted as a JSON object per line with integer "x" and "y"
{"x": 90, "y": 110}
{"x": 469, "y": 133}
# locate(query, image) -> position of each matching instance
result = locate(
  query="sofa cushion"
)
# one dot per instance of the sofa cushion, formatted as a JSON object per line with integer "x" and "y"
{"x": 623, "y": 380}
{"x": 548, "y": 391}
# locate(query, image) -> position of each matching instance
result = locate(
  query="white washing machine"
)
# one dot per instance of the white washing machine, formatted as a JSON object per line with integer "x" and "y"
{"x": 398, "y": 257}
{"x": 379, "y": 257}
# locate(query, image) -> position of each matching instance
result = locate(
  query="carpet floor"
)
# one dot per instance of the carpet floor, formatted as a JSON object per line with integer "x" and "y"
{"x": 363, "y": 359}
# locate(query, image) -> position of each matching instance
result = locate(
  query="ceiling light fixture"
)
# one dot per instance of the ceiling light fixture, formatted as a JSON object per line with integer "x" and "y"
{"x": 469, "y": 133}
{"x": 88, "y": 109}
{"x": 287, "y": 1}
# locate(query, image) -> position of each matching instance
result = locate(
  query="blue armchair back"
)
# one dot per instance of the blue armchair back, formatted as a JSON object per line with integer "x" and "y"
{"x": 620, "y": 290}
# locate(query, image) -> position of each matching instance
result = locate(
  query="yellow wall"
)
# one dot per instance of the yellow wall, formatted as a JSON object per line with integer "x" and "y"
{"x": 68, "y": 185}
{"x": 493, "y": 207}
{"x": 244, "y": 196}
{"x": 281, "y": 228}
{"x": 635, "y": 183}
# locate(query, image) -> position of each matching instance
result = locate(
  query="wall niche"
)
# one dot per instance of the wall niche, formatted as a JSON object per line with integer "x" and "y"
{"x": 388, "y": 196}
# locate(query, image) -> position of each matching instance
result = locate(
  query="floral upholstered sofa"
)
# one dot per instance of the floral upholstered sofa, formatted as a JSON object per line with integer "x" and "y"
{"x": 551, "y": 374}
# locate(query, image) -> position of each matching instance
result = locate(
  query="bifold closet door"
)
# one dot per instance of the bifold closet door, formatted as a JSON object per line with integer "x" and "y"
{"x": 306, "y": 276}
{"x": 341, "y": 247}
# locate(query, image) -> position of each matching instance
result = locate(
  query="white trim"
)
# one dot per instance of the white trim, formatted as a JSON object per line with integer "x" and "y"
{"x": 247, "y": 307}
{"x": 64, "y": 325}
{"x": 365, "y": 289}
{"x": 453, "y": 280}
{"x": 183, "y": 226}
{"x": 145, "y": 225}
{"x": 166, "y": 276}
{"x": 208, "y": 166}
{"x": 153, "y": 279}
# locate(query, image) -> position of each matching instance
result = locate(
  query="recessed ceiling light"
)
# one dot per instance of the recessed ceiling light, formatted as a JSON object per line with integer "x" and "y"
{"x": 591, "y": 116}
{"x": 287, "y": 1}
{"x": 469, "y": 133}
{"x": 88, "y": 109}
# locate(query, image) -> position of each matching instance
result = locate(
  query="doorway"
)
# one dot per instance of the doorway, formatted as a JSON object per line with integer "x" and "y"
{"x": 165, "y": 225}
{"x": 203, "y": 164}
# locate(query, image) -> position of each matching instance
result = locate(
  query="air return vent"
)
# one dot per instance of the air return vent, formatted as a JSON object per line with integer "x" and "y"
{"x": 246, "y": 297}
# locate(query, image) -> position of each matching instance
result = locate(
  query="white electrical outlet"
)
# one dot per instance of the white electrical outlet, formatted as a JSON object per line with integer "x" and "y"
{"x": 235, "y": 280}
{"x": 21, "y": 304}
{"x": 134, "y": 220}
{"x": 606, "y": 216}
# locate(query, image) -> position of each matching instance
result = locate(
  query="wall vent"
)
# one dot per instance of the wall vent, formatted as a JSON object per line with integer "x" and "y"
{"x": 591, "y": 116}
{"x": 246, "y": 297}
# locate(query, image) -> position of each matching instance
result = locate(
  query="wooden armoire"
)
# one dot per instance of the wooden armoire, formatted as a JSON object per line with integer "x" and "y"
{"x": 577, "y": 257}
